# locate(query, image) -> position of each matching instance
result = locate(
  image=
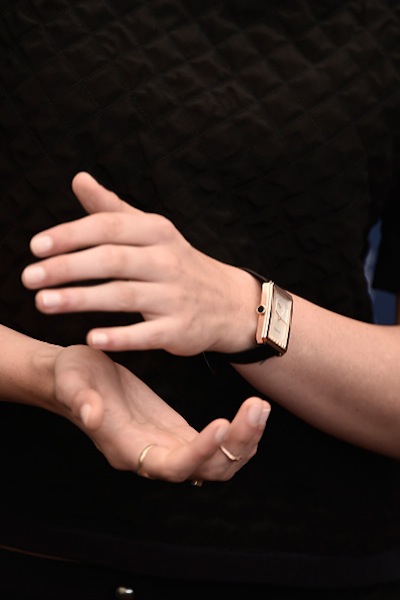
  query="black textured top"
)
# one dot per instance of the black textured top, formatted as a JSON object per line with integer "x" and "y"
{"x": 269, "y": 133}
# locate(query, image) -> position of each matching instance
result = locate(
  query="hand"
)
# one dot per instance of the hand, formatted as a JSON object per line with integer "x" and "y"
{"x": 189, "y": 301}
{"x": 122, "y": 416}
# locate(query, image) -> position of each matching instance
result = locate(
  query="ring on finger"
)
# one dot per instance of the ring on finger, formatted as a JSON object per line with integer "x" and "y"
{"x": 197, "y": 482}
{"x": 140, "y": 471}
{"x": 229, "y": 454}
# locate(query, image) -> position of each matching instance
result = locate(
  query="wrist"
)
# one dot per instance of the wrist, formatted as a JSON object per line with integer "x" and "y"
{"x": 238, "y": 329}
{"x": 27, "y": 370}
{"x": 274, "y": 317}
{"x": 41, "y": 369}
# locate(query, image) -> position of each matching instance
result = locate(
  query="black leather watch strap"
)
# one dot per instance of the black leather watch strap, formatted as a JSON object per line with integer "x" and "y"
{"x": 252, "y": 355}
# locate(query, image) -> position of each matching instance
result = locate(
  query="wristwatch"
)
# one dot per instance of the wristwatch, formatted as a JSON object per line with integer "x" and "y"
{"x": 273, "y": 328}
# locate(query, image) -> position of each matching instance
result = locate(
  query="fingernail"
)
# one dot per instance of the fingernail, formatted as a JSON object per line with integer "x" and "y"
{"x": 50, "y": 299}
{"x": 98, "y": 339}
{"x": 34, "y": 274}
{"x": 257, "y": 415}
{"x": 41, "y": 244}
{"x": 266, "y": 411}
{"x": 84, "y": 412}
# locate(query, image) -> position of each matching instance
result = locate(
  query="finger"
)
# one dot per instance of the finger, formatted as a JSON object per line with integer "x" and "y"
{"x": 239, "y": 444}
{"x": 115, "y": 296}
{"x": 96, "y": 198}
{"x": 245, "y": 431}
{"x": 139, "y": 229}
{"x": 100, "y": 262}
{"x": 179, "y": 463}
{"x": 89, "y": 406}
{"x": 148, "y": 335}
{"x": 85, "y": 403}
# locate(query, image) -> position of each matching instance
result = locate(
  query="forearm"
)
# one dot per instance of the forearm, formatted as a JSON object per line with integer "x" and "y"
{"x": 27, "y": 370}
{"x": 340, "y": 375}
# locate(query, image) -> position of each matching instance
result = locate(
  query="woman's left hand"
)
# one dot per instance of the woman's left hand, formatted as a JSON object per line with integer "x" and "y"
{"x": 137, "y": 431}
{"x": 189, "y": 301}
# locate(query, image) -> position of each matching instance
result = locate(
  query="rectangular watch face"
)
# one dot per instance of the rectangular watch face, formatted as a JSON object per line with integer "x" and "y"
{"x": 280, "y": 319}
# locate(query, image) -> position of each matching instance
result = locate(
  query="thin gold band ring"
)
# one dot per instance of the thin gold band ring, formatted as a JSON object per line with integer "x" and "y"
{"x": 140, "y": 471}
{"x": 229, "y": 454}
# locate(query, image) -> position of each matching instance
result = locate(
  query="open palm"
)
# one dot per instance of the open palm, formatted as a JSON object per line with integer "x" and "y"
{"x": 122, "y": 416}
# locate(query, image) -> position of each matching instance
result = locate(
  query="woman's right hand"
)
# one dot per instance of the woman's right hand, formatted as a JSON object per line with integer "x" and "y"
{"x": 123, "y": 416}
{"x": 190, "y": 302}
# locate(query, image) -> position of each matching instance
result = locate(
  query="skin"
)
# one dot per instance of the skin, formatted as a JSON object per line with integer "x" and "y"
{"x": 121, "y": 415}
{"x": 339, "y": 374}
{"x": 185, "y": 297}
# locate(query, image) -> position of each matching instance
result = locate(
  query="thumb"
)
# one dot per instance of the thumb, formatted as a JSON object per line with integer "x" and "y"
{"x": 88, "y": 404}
{"x": 96, "y": 198}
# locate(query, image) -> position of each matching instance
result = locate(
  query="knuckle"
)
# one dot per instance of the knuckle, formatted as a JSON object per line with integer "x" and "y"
{"x": 58, "y": 269}
{"x": 124, "y": 297}
{"x": 169, "y": 262}
{"x": 113, "y": 257}
{"x": 166, "y": 262}
{"x": 165, "y": 228}
{"x": 73, "y": 299}
{"x": 156, "y": 338}
{"x": 240, "y": 440}
{"x": 112, "y": 225}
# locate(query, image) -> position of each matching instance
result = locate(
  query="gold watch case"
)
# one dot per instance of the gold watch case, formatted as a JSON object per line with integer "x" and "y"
{"x": 275, "y": 317}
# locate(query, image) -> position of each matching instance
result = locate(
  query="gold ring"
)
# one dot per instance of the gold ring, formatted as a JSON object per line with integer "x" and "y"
{"x": 197, "y": 482}
{"x": 229, "y": 455}
{"x": 140, "y": 471}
